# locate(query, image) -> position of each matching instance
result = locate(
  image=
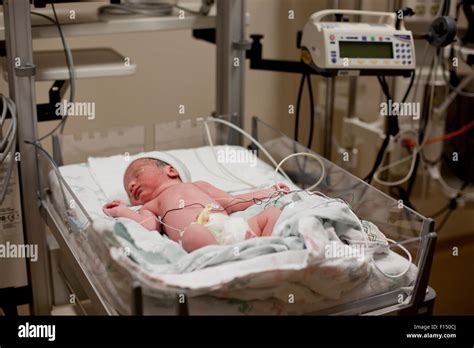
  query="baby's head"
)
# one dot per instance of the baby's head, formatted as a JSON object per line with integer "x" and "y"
{"x": 145, "y": 176}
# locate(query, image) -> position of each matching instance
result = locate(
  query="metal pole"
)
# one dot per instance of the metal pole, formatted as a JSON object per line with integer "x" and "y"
{"x": 230, "y": 62}
{"x": 329, "y": 112}
{"x": 393, "y": 81}
{"x": 353, "y": 79}
{"x": 329, "y": 116}
{"x": 351, "y": 105}
{"x": 22, "y": 90}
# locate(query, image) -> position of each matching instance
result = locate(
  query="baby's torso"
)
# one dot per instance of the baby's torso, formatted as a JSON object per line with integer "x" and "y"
{"x": 179, "y": 206}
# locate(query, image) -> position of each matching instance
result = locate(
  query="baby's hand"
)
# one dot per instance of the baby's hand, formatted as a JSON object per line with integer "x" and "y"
{"x": 282, "y": 187}
{"x": 115, "y": 208}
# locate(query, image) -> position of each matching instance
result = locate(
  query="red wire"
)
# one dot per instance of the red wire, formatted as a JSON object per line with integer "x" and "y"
{"x": 452, "y": 134}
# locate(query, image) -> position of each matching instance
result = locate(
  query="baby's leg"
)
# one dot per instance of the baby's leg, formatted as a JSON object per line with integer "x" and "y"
{"x": 262, "y": 224}
{"x": 196, "y": 236}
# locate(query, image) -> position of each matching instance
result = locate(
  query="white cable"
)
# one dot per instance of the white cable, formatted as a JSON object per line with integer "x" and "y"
{"x": 10, "y": 134}
{"x": 420, "y": 73}
{"x": 425, "y": 52}
{"x": 461, "y": 91}
{"x": 211, "y": 144}
{"x": 10, "y": 147}
{"x": 196, "y": 13}
{"x": 260, "y": 146}
{"x": 418, "y": 147}
{"x": 143, "y": 8}
{"x": 4, "y": 114}
{"x": 323, "y": 170}
{"x": 277, "y": 168}
{"x": 251, "y": 138}
{"x": 445, "y": 185}
{"x": 405, "y": 250}
{"x": 401, "y": 274}
{"x": 71, "y": 70}
{"x": 396, "y": 163}
{"x": 366, "y": 242}
{"x": 61, "y": 181}
{"x": 147, "y": 8}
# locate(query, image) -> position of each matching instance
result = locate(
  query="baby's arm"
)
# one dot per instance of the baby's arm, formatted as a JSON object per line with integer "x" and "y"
{"x": 233, "y": 203}
{"x": 144, "y": 217}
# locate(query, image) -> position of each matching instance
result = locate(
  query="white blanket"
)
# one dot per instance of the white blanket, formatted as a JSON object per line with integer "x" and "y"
{"x": 269, "y": 268}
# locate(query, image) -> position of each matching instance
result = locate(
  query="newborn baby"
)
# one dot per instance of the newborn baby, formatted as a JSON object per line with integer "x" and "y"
{"x": 194, "y": 214}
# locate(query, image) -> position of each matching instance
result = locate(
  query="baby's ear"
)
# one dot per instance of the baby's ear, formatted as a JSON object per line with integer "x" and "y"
{"x": 172, "y": 172}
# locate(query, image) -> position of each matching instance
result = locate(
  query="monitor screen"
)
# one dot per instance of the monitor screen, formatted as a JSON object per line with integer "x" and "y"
{"x": 356, "y": 49}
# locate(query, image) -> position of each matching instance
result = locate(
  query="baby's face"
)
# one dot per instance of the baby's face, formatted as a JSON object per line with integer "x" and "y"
{"x": 142, "y": 180}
